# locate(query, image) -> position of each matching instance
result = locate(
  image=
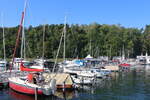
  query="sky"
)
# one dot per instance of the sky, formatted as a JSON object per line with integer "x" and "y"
{"x": 128, "y": 13}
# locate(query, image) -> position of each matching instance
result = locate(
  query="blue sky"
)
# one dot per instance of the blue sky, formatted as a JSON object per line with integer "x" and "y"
{"x": 128, "y": 13}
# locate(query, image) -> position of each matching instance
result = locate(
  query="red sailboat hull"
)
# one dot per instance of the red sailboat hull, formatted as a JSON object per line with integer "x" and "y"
{"x": 24, "y": 89}
{"x": 23, "y": 68}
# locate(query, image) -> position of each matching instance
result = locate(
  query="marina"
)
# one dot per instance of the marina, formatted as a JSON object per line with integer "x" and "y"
{"x": 127, "y": 85}
{"x": 55, "y": 52}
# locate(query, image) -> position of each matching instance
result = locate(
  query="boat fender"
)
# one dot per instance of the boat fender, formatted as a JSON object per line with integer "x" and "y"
{"x": 49, "y": 88}
{"x": 53, "y": 85}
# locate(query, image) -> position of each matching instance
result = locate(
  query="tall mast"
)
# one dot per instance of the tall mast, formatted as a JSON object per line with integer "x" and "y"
{"x": 123, "y": 53}
{"x": 90, "y": 46}
{"x": 17, "y": 39}
{"x": 3, "y": 37}
{"x": 24, "y": 50}
{"x": 3, "y": 40}
{"x": 43, "y": 42}
{"x": 23, "y": 42}
{"x": 64, "y": 30}
{"x": 60, "y": 42}
{"x": 23, "y": 55}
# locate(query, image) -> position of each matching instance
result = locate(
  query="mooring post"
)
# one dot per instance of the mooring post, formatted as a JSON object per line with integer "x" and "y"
{"x": 64, "y": 86}
{"x": 82, "y": 79}
{"x": 93, "y": 81}
{"x": 35, "y": 93}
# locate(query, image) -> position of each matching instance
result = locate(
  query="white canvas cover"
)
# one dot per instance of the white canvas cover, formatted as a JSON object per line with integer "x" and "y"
{"x": 60, "y": 78}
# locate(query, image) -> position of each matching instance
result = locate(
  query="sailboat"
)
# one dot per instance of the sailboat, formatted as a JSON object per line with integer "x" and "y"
{"x": 30, "y": 68}
{"x": 17, "y": 61}
{"x": 3, "y": 63}
{"x": 32, "y": 83}
{"x": 41, "y": 63}
{"x": 63, "y": 80}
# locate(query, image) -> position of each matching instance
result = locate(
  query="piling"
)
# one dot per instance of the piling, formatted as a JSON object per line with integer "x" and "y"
{"x": 82, "y": 80}
{"x": 64, "y": 86}
{"x": 35, "y": 93}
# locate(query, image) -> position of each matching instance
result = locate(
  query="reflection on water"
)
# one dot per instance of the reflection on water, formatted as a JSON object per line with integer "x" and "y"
{"x": 59, "y": 95}
{"x": 133, "y": 84}
{"x": 66, "y": 95}
{"x": 18, "y": 96}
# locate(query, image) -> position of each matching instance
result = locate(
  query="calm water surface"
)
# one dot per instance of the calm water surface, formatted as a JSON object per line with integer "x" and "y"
{"x": 130, "y": 85}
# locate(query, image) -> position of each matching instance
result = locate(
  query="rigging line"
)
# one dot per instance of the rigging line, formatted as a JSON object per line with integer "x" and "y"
{"x": 4, "y": 35}
{"x": 73, "y": 34}
{"x": 18, "y": 35}
{"x": 64, "y": 30}
{"x": 17, "y": 41}
{"x": 31, "y": 15}
{"x": 58, "y": 51}
{"x": 27, "y": 44}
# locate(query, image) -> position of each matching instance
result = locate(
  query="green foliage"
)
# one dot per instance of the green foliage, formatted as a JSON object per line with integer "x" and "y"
{"x": 94, "y": 39}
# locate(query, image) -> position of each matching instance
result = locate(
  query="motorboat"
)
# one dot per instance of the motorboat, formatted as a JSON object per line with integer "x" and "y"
{"x": 82, "y": 80}
{"x": 3, "y": 65}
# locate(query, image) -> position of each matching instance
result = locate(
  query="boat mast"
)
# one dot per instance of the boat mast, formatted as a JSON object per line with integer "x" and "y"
{"x": 123, "y": 53}
{"x": 43, "y": 42}
{"x": 3, "y": 39}
{"x": 23, "y": 55}
{"x": 60, "y": 42}
{"x": 90, "y": 46}
{"x": 64, "y": 30}
{"x": 17, "y": 40}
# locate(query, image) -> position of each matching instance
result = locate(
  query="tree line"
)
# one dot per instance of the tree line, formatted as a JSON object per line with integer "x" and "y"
{"x": 81, "y": 40}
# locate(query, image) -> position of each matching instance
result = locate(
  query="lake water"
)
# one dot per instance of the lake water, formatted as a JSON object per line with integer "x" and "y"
{"x": 129, "y": 85}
